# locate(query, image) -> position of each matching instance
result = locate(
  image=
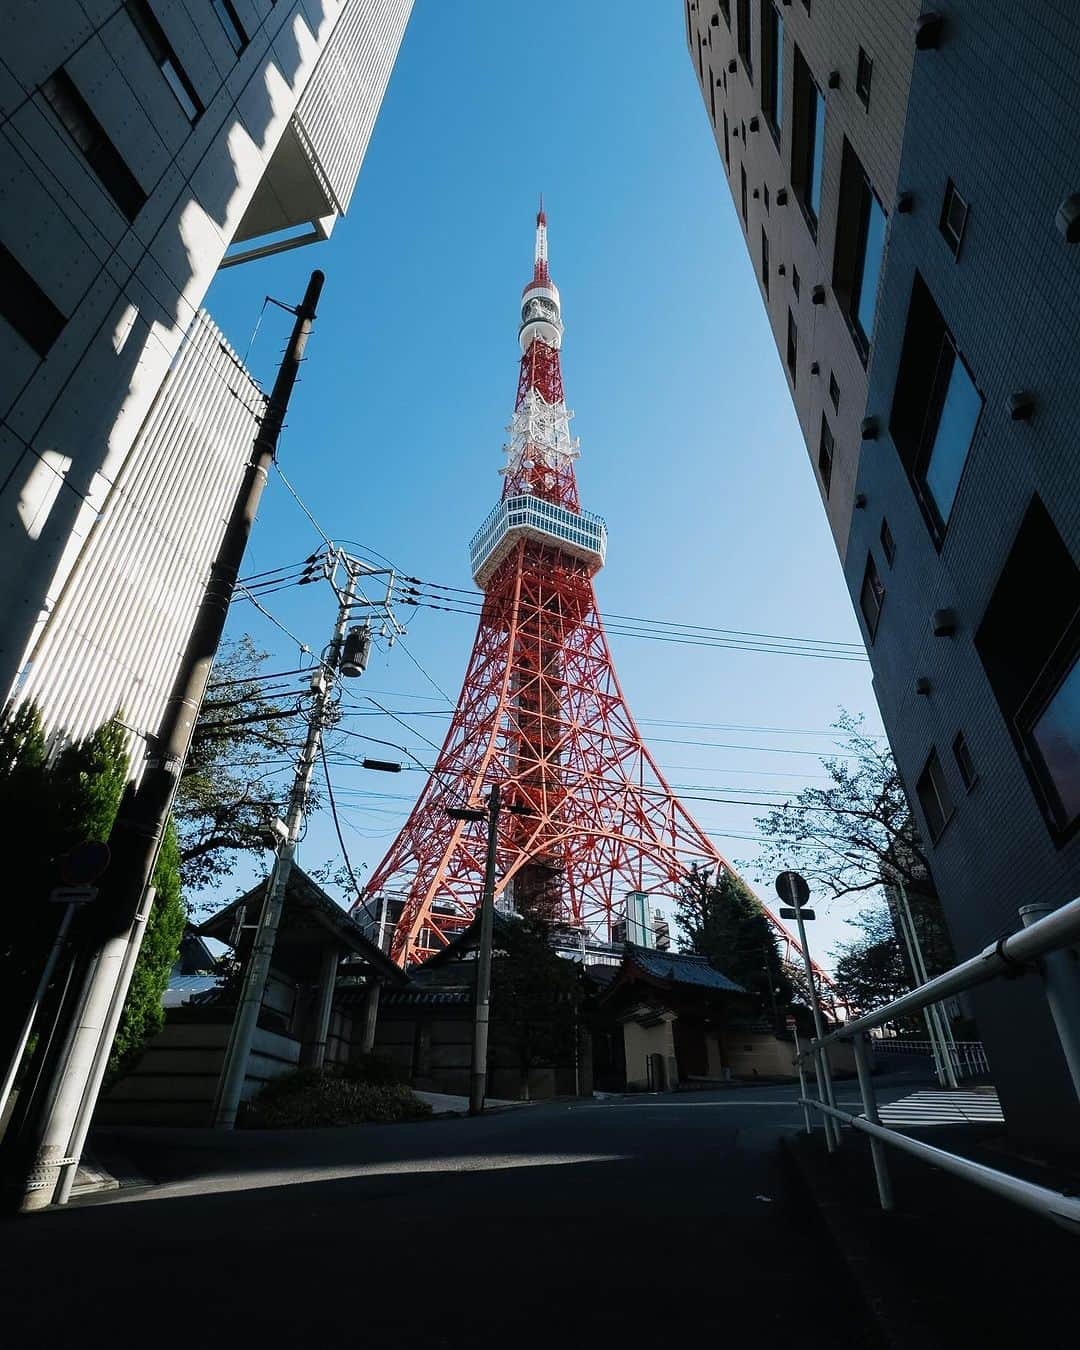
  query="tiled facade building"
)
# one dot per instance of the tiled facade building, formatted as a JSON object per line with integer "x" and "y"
{"x": 144, "y": 144}
{"x": 907, "y": 176}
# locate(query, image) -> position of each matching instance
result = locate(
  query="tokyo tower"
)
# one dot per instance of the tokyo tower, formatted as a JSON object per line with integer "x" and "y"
{"x": 541, "y": 712}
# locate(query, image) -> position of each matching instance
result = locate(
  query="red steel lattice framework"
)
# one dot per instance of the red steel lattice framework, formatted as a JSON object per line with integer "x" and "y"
{"x": 541, "y": 711}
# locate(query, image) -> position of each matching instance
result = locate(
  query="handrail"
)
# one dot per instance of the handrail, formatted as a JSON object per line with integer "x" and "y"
{"x": 1009, "y": 956}
{"x": 1060, "y": 928}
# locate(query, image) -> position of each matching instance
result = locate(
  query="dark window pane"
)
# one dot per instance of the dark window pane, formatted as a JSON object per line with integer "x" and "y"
{"x": 888, "y": 543}
{"x": 934, "y": 797}
{"x": 727, "y": 144}
{"x": 26, "y": 306}
{"x": 964, "y": 762}
{"x": 772, "y": 66}
{"x": 1055, "y": 737}
{"x": 834, "y": 391}
{"x": 863, "y": 75}
{"x": 825, "y": 454}
{"x": 742, "y": 180}
{"x": 792, "y": 345}
{"x": 89, "y": 136}
{"x": 818, "y": 163}
{"x": 954, "y": 211}
{"x": 795, "y": 280}
{"x": 873, "y": 253}
{"x": 234, "y": 29}
{"x": 952, "y": 440}
{"x": 744, "y": 36}
{"x": 871, "y": 596}
{"x": 765, "y": 262}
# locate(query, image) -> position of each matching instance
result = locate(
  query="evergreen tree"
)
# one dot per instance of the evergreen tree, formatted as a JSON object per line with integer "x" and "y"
{"x": 143, "y": 1015}
{"x": 723, "y": 921}
{"x": 534, "y": 994}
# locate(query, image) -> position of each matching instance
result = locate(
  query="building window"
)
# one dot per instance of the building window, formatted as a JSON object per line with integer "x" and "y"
{"x": 807, "y": 141}
{"x": 26, "y": 306}
{"x": 860, "y": 250}
{"x": 806, "y": 5}
{"x": 742, "y": 10}
{"x": 864, "y": 73}
{"x": 964, "y": 762}
{"x": 871, "y": 596}
{"x": 89, "y": 136}
{"x": 742, "y": 191}
{"x": 1029, "y": 645}
{"x": 159, "y": 47}
{"x": 825, "y": 454}
{"x": 765, "y": 262}
{"x": 727, "y": 145}
{"x": 792, "y": 345}
{"x": 795, "y": 283}
{"x": 888, "y": 543}
{"x": 772, "y": 68}
{"x": 712, "y": 96}
{"x": 689, "y": 30}
{"x": 234, "y": 29}
{"x": 834, "y": 391}
{"x": 725, "y": 10}
{"x": 954, "y": 212}
{"x": 935, "y": 409}
{"x": 934, "y": 797}
{"x": 765, "y": 196}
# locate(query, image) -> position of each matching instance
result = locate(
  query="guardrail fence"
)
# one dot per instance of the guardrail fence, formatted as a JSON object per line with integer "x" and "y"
{"x": 1040, "y": 945}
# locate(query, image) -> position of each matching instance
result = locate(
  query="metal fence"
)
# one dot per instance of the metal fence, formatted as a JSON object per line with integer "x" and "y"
{"x": 1041, "y": 944}
{"x": 968, "y": 1057}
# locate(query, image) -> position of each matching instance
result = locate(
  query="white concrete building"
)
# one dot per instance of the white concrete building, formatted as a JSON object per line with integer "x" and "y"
{"x": 140, "y": 140}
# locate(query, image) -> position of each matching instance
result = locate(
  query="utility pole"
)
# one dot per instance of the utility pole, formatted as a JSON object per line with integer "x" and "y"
{"x": 482, "y": 1003}
{"x": 115, "y": 922}
{"x": 346, "y": 654}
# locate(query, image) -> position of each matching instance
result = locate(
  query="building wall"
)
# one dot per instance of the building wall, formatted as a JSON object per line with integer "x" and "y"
{"x": 993, "y": 109}
{"x": 642, "y": 1041}
{"x": 114, "y": 636}
{"x": 1010, "y": 299}
{"x": 829, "y": 38}
{"x": 124, "y": 290}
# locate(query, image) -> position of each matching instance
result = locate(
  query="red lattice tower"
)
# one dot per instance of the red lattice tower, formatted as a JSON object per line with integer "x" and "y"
{"x": 541, "y": 711}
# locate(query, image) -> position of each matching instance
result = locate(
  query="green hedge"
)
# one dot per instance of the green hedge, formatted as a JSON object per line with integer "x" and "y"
{"x": 330, "y": 1097}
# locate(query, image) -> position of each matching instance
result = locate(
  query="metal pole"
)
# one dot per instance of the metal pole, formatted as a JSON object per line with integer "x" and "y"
{"x": 832, "y": 1131}
{"x": 1060, "y": 973}
{"x": 136, "y": 836}
{"x": 104, "y": 1050}
{"x": 478, "y": 1086}
{"x": 242, "y": 1032}
{"x": 936, "y": 1023}
{"x": 802, "y": 1083}
{"x": 35, "y": 1004}
{"x": 869, "y": 1101}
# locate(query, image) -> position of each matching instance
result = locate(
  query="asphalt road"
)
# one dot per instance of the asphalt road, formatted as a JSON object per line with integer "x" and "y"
{"x": 648, "y": 1220}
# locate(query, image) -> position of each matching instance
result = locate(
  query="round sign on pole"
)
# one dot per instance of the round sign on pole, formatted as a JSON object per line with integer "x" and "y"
{"x": 85, "y": 863}
{"x": 792, "y": 887}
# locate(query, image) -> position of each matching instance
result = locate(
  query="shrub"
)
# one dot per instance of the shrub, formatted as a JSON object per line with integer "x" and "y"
{"x": 311, "y": 1097}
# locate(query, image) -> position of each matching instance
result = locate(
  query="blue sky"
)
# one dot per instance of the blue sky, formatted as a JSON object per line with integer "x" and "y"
{"x": 689, "y": 444}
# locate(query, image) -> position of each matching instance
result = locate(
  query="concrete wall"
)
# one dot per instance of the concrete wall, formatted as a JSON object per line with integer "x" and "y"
{"x": 127, "y": 289}
{"x": 176, "y": 1080}
{"x": 995, "y": 110}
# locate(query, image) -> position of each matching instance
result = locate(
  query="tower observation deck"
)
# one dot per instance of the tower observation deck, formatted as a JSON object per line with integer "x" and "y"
{"x": 596, "y": 828}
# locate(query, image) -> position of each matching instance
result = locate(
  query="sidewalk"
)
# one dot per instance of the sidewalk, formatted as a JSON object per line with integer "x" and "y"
{"x": 952, "y": 1265}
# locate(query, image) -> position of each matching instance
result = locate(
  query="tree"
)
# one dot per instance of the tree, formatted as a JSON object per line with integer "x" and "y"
{"x": 872, "y": 971}
{"x": 854, "y": 834}
{"x": 723, "y": 921}
{"x": 534, "y": 994}
{"x": 231, "y": 784}
{"x": 49, "y": 804}
{"x": 144, "y": 1014}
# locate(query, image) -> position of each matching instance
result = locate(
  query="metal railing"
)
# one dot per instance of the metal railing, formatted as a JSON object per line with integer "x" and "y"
{"x": 1039, "y": 945}
{"x": 968, "y": 1057}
